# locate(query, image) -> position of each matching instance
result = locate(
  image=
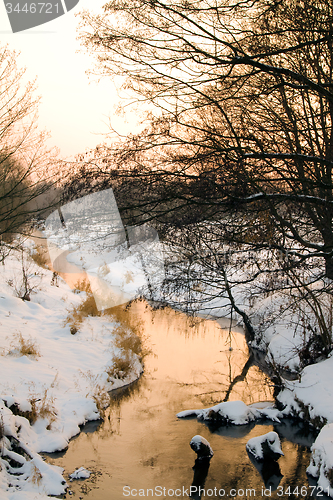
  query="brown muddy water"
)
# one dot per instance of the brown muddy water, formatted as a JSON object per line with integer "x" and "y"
{"x": 141, "y": 449}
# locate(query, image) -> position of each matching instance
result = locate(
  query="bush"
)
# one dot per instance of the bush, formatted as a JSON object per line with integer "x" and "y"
{"x": 28, "y": 281}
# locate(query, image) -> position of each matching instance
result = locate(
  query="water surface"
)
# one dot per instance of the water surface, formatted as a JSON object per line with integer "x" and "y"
{"x": 142, "y": 450}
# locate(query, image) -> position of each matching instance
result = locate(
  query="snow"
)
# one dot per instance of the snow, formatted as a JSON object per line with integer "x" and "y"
{"x": 311, "y": 395}
{"x": 80, "y": 473}
{"x": 256, "y": 445}
{"x": 119, "y": 262}
{"x": 321, "y": 464}
{"x": 201, "y": 446}
{"x": 59, "y": 383}
{"x": 234, "y": 413}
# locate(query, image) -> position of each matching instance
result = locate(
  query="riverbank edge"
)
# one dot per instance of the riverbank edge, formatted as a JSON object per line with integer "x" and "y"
{"x": 43, "y": 403}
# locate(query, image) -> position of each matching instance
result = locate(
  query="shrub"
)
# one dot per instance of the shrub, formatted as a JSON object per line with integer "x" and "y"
{"x": 28, "y": 281}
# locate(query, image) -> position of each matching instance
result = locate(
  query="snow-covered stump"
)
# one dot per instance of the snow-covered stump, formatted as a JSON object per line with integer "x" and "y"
{"x": 263, "y": 447}
{"x": 321, "y": 464}
{"x": 201, "y": 447}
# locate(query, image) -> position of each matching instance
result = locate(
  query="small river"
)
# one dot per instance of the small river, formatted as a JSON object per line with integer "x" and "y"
{"x": 141, "y": 449}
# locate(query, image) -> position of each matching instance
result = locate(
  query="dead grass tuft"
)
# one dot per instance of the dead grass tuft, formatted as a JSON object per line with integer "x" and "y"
{"x": 122, "y": 315}
{"x": 41, "y": 407}
{"x": 82, "y": 286}
{"x": 24, "y": 347}
{"x": 35, "y": 476}
{"x": 40, "y": 256}
{"x": 127, "y": 340}
{"x": 98, "y": 392}
{"x": 120, "y": 367}
{"x": 77, "y": 314}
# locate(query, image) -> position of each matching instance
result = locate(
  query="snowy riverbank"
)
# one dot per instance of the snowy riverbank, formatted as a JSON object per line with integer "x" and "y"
{"x": 51, "y": 381}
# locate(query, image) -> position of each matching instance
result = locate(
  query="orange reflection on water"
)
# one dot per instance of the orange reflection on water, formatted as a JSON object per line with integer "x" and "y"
{"x": 195, "y": 352}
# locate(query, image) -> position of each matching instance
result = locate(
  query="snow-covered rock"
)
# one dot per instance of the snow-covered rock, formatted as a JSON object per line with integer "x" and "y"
{"x": 265, "y": 446}
{"x": 201, "y": 447}
{"x": 22, "y": 471}
{"x": 233, "y": 412}
{"x": 310, "y": 397}
{"x": 321, "y": 464}
{"x": 80, "y": 473}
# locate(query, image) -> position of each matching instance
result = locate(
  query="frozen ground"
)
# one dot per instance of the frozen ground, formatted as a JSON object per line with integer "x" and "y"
{"x": 51, "y": 381}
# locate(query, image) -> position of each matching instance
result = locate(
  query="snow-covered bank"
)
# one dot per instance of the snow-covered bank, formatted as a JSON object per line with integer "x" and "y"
{"x": 51, "y": 381}
{"x": 234, "y": 413}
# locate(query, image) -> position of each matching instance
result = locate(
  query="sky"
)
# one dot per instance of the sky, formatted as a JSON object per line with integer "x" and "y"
{"x": 75, "y": 109}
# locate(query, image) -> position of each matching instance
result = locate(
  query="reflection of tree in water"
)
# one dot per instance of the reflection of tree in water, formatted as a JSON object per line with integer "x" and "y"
{"x": 118, "y": 397}
{"x": 250, "y": 385}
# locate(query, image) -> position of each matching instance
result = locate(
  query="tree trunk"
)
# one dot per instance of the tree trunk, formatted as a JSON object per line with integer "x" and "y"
{"x": 329, "y": 267}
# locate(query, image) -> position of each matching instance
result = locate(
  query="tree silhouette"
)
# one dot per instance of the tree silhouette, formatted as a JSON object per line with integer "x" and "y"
{"x": 27, "y": 168}
{"x": 237, "y": 151}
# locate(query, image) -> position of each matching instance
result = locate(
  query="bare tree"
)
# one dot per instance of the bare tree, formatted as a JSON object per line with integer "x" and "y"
{"x": 237, "y": 154}
{"x": 242, "y": 106}
{"x": 27, "y": 168}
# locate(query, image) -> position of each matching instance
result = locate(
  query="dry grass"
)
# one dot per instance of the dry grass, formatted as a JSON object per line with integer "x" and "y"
{"x": 120, "y": 367}
{"x": 35, "y": 476}
{"x": 98, "y": 392}
{"x": 129, "y": 340}
{"x": 42, "y": 406}
{"x": 24, "y": 347}
{"x": 86, "y": 308}
{"x": 122, "y": 315}
{"x": 127, "y": 336}
{"x": 40, "y": 256}
{"x": 102, "y": 400}
{"x": 82, "y": 286}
